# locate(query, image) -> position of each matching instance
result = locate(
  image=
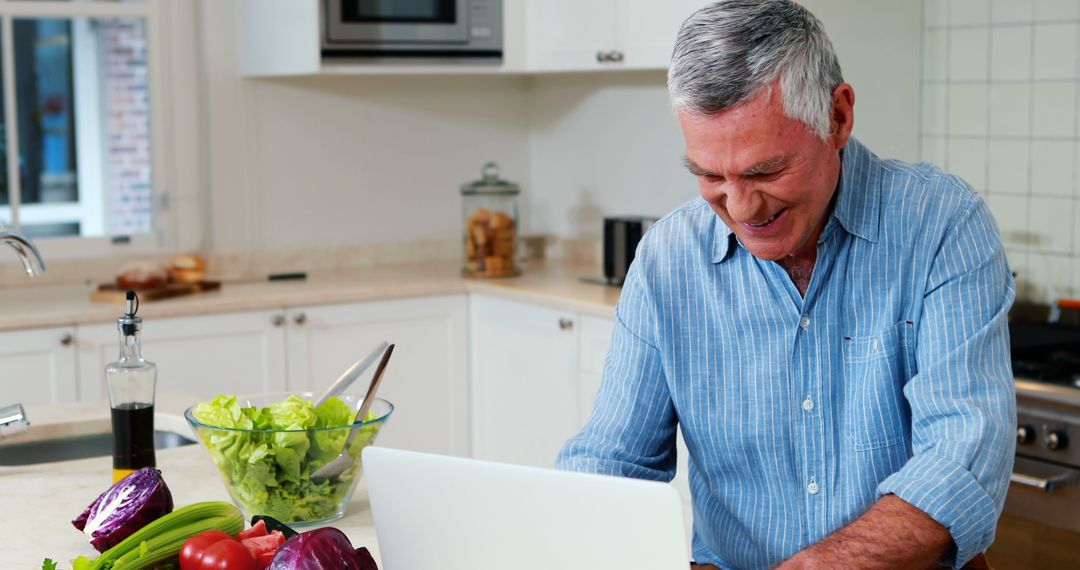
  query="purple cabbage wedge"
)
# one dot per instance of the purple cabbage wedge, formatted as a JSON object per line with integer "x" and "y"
{"x": 130, "y": 504}
{"x": 321, "y": 549}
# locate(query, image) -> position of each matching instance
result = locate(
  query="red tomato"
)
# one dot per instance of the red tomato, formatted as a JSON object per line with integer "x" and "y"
{"x": 257, "y": 529}
{"x": 191, "y": 554}
{"x": 228, "y": 555}
{"x": 263, "y": 548}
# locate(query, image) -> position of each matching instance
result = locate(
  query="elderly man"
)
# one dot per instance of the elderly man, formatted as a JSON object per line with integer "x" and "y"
{"x": 828, "y": 328}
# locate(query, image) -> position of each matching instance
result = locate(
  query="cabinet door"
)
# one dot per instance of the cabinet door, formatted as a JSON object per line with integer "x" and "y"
{"x": 646, "y": 30}
{"x": 524, "y": 381}
{"x": 427, "y": 379}
{"x": 594, "y": 345}
{"x": 37, "y": 366}
{"x": 566, "y": 35}
{"x": 236, "y": 353}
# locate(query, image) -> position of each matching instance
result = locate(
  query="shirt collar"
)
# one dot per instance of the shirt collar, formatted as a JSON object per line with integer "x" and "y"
{"x": 857, "y": 202}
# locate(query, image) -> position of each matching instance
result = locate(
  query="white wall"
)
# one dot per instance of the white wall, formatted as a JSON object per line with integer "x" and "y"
{"x": 329, "y": 161}
{"x": 607, "y": 144}
{"x": 1002, "y": 110}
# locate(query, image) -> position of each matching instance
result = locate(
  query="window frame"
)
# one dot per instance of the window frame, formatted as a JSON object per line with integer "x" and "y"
{"x": 67, "y": 247}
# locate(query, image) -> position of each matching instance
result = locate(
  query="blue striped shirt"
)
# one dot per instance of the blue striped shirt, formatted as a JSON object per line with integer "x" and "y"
{"x": 891, "y": 375}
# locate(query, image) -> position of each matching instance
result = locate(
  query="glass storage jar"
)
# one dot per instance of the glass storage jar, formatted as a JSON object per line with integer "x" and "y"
{"x": 490, "y": 210}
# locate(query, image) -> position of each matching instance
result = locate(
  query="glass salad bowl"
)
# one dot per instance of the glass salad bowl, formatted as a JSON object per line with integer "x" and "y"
{"x": 266, "y": 447}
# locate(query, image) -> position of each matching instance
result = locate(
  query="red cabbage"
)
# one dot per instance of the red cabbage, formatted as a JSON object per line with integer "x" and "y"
{"x": 321, "y": 549}
{"x": 130, "y": 504}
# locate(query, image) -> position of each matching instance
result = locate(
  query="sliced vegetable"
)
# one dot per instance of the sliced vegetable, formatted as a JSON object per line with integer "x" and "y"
{"x": 263, "y": 548}
{"x": 130, "y": 504}
{"x": 162, "y": 539}
{"x": 258, "y": 528}
{"x": 274, "y": 524}
{"x": 322, "y": 549}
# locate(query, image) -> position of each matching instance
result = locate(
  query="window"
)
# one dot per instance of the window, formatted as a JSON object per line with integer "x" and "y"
{"x": 76, "y": 119}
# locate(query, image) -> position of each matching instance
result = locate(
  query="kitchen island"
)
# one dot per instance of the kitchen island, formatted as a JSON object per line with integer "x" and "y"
{"x": 39, "y": 501}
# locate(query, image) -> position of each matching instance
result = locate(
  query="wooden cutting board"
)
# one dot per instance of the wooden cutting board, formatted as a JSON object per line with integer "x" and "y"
{"x": 110, "y": 293}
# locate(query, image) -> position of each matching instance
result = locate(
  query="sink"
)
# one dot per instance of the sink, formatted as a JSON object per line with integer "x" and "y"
{"x": 77, "y": 447}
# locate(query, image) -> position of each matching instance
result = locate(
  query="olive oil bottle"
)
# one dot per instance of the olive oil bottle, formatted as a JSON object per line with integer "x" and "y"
{"x": 131, "y": 381}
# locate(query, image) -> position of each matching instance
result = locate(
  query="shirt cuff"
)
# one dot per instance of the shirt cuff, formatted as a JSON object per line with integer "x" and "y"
{"x": 951, "y": 495}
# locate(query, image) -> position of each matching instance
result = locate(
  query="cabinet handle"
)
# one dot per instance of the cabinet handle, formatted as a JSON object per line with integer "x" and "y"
{"x": 66, "y": 339}
{"x": 300, "y": 318}
{"x": 601, "y": 57}
{"x": 277, "y": 320}
{"x": 566, "y": 324}
{"x": 615, "y": 56}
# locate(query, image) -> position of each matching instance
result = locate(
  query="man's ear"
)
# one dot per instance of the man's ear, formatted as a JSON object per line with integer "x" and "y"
{"x": 842, "y": 115}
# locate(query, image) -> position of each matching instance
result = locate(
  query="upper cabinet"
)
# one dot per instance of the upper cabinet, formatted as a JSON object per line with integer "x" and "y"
{"x": 584, "y": 35}
{"x": 283, "y": 37}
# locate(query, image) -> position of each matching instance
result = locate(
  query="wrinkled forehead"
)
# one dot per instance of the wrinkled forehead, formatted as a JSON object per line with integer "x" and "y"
{"x": 740, "y": 138}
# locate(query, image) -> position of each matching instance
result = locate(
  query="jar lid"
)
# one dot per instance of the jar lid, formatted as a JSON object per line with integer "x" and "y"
{"x": 490, "y": 183}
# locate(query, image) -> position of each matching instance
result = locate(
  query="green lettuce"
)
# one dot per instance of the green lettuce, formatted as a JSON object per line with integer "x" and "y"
{"x": 269, "y": 472}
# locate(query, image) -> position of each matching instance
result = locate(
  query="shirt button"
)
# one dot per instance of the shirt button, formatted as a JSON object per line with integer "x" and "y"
{"x": 808, "y": 404}
{"x": 804, "y": 322}
{"x": 813, "y": 488}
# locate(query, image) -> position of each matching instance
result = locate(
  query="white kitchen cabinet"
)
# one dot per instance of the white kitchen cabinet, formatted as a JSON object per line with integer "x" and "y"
{"x": 234, "y": 353}
{"x": 427, "y": 378}
{"x": 594, "y": 345}
{"x": 584, "y": 35}
{"x": 525, "y": 398}
{"x": 37, "y": 366}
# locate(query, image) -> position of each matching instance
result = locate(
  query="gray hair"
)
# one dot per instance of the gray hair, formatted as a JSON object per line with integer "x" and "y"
{"x": 728, "y": 51}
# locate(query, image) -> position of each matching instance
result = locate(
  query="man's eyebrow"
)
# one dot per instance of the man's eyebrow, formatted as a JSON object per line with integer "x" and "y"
{"x": 762, "y": 167}
{"x": 766, "y": 165}
{"x": 695, "y": 169}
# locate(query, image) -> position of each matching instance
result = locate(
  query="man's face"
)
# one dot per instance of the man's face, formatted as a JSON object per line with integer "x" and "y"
{"x": 766, "y": 175}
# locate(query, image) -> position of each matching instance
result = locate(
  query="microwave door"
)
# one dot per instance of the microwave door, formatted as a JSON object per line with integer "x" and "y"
{"x": 388, "y": 22}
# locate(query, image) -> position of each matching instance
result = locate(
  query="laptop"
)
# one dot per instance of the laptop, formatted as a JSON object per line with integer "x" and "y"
{"x": 433, "y": 511}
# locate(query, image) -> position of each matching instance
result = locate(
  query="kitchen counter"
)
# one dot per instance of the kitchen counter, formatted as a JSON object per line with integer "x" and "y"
{"x": 39, "y": 501}
{"x": 548, "y": 283}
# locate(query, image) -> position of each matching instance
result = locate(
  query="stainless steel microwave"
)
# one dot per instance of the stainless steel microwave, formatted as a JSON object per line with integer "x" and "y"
{"x": 412, "y": 28}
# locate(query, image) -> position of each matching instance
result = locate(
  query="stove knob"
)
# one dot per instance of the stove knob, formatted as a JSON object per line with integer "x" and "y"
{"x": 1056, "y": 440}
{"x": 1025, "y": 434}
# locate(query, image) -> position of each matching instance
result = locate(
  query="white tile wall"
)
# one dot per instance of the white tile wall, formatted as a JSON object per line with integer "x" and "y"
{"x": 1010, "y": 109}
{"x": 1001, "y": 108}
{"x": 1010, "y": 52}
{"x": 1006, "y": 11}
{"x": 1008, "y": 166}
{"x": 1053, "y": 9}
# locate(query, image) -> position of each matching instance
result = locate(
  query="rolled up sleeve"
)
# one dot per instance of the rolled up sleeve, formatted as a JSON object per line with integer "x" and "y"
{"x": 631, "y": 432}
{"x": 962, "y": 399}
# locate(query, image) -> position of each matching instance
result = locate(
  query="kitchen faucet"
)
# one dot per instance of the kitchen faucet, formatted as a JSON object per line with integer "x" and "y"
{"x": 13, "y": 421}
{"x": 12, "y": 418}
{"x": 28, "y": 253}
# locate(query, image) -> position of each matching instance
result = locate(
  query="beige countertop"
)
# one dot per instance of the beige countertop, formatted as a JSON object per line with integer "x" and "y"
{"x": 549, "y": 283}
{"x": 39, "y": 501}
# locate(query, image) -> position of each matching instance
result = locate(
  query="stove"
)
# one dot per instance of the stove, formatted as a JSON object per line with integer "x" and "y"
{"x": 1040, "y": 526}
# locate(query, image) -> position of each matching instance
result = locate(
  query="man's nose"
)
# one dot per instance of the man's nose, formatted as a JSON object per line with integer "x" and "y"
{"x": 742, "y": 202}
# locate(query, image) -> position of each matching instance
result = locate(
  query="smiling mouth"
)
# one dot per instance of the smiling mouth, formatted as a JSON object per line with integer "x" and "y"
{"x": 766, "y": 222}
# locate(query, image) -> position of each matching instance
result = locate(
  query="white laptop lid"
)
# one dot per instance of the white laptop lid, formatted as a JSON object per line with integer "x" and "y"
{"x": 449, "y": 513}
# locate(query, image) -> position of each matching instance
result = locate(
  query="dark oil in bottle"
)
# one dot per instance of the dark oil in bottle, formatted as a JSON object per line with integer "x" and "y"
{"x": 133, "y": 438}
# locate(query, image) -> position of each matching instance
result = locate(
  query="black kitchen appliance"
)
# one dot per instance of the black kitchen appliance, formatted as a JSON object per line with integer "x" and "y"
{"x": 437, "y": 30}
{"x": 621, "y": 237}
{"x": 1040, "y": 525}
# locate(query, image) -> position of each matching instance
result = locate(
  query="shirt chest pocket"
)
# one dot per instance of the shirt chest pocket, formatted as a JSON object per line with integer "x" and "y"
{"x": 875, "y": 369}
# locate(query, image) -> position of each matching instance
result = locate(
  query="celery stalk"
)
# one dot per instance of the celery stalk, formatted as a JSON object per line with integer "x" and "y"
{"x": 163, "y": 538}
